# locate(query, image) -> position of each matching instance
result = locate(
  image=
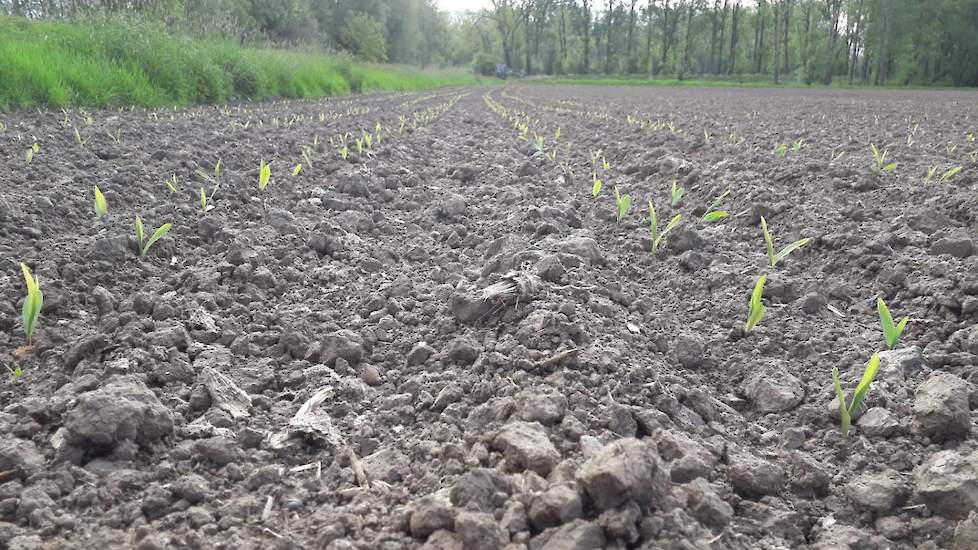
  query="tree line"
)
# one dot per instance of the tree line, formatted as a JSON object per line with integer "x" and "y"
{"x": 809, "y": 41}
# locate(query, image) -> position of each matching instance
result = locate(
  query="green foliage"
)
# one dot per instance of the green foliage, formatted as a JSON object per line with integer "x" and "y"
{"x": 775, "y": 257}
{"x": 171, "y": 184}
{"x": 596, "y": 185}
{"x": 755, "y": 308}
{"x": 657, "y": 235}
{"x": 781, "y": 150}
{"x": 712, "y": 213}
{"x": 101, "y": 206}
{"x": 848, "y": 412}
{"x": 891, "y": 331}
{"x": 879, "y": 160}
{"x": 484, "y": 64}
{"x": 676, "y": 194}
{"x": 33, "y": 303}
{"x": 145, "y": 244}
{"x": 946, "y": 176}
{"x": 623, "y": 203}
{"x": 264, "y": 174}
{"x": 137, "y": 63}
{"x": 364, "y": 37}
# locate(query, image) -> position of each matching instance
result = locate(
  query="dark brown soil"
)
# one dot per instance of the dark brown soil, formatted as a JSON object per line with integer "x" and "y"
{"x": 446, "y": 342}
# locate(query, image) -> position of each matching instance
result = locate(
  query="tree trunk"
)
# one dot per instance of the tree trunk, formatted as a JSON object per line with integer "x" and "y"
{"x": 718, "y": 69}
{"x": 562, "y": 40}
{"x": 608, "y": 32}
{"x": 777, "y": 41}
{"x": 715, "y": 20}
{"x": 835, "y": 8}
{"x": 666, "y": 34}
{"x": 685, "y": 56}
{"x": 631, "y": 31}
{"x": 759, "y": 38}
{"x": 734, "y": 35}
{"x": 648, "y": 40}
{"x": 786, "y": 28}
{"x": 587, "y": 35}
{"x": 806, "y": 53}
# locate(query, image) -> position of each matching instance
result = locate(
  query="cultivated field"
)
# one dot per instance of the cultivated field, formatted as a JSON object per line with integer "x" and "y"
{"x": 433, "y": 334}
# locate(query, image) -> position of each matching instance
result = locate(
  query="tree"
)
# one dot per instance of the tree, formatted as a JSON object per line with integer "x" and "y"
{"x": 364, "y": 37}
{"x": 835, "y": 10}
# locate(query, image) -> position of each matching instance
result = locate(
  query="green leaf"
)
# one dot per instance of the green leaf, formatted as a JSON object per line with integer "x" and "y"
{"x": 101, "y": 206}
{"x": 669, "y": 227}
{"x": 950, "y": 174}
{"x": 264, "y": 173}
{"x": 203, "y": 199}
{"x": 622, "y": 204}
{"x": 756, "y": 309}
{"x": 677, "y": 193}
{"x": 843, "y": 410}
{"x": 140, "y": 233}
{"x": 715, "y": 216}
{"x": 768, "y": 242}
{"x": 789, "y": 249}
{"x": 596, "y": 187}
{"x": 891, "y": 331}
{"x": 868, "y": 376}
{"x": 157, "y": 235}
{"x": 296, "y": 170}
{"x": 32, "y": 303}
{"x": 890, "y": 167}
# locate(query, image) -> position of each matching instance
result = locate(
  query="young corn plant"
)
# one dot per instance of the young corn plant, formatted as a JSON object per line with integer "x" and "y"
{"x": 775, "y": 257}
{"x": 33, "y": 303}
{"x": 796, "y": 146}
{"x": 755, "y": 308}
{"x": 659, "y": 235}
{"x": 171, "y": 184}
{"x": 781, "y": 150}
{"x": 931, "y": 172}
{"x": 596, "y": 184}
{"x": 144, "y": 243}
{"x": 946, "y": 176}
{"x": 676, "y": 194}
{"x": 31, "y": 151}
{"x": 204, "y": 200}
{"x": 344, "y": 152}
{"x": 297, "y": 170}
{"x": 891, "y": 330}
{"x": 359, "y": 144}
{"x": 712, "y": 213}
{"x": 846, "y": 413}
{"x": 101, "y": 206}
{"x": 879, "y": 160}
{"x": 264, "y": 174}
{"x": 622, "y": 204}
{"x": 78, "y": 137}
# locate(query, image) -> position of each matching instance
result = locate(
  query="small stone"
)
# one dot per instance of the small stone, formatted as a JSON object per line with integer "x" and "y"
{"x": 544, "y": 405}
{"x": 388, "y": 465}
{"x": 420, "y": 353}
{"x": 684, "y": 238}
{"x": 527, "y": 445}
{"x": 689, "y": 350}
{"x": 966, "y": 533}
{"x": 813, "y": 303}
{"x": 754, "y": 476}
{"x": 343, "y": 344}
{"x": 584, "y": 247}
{"x": 623, "y": 470}
{"x": 940, "y": 408}
{"x": 431, "y": 514}
{"x": 877, "y": 492}
{"x": 948, "y": 483}
{"x": 706, "y": 505}
{"x": 774, "y": 392}
{"x": 451, "y": 393}
{"x": 19, "y": 457}
{"x": 370, "y": 375}
{"x": 478, "y": 488}
{"x": 878, "y": 421}
{"x": 899, "y": 364}
{"x": 294, "y": 504}
{"x": 954, "y": 243}
{"x": 576, "y": 535}
{"x": 556, "y": 506}
{"x": 479, "y": 531}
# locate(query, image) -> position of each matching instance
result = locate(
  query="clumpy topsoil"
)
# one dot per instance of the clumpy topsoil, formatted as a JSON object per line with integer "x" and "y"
{"x": 445, "y": 342}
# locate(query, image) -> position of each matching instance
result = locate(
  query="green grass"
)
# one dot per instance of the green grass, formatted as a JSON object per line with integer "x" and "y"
{"x": 54, "y": 64}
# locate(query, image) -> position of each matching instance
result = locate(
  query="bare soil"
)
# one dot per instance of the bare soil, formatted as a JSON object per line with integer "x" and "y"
{"x": 446, "y": 342}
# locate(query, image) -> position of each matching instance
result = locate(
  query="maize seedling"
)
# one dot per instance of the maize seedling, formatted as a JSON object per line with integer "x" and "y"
{"x": 622, "y": 204}
{"x": 773, "y": 257}
{"x": 596, "y": 185}
{"x": 32, "y": 304}
{"x": 755, "y": 308}
{"x": 676, "y": 194}
{"x": 657, "y": 235}
{"x": 848, "y": 412}
{"x": 144, "y": 244}
{"x": 879, "y": 160}
{"x": 171, "y": 183}
{"x": 712, "y": 214}
{"x": 796, "y": 146}
{"x": 891, "y": 331}
{"x": 344, "y": 152}
{"x": 296, "y": 170}
{"x": 781, "y": 150}
{"x": 101, "y": 206}
{"x": 264, "y": 174}
{"x": 931, "y": 172}
{"x": 946, "y": 176}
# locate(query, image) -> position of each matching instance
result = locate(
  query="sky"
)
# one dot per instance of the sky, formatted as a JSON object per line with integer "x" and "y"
{"x": 458, "y": 6}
